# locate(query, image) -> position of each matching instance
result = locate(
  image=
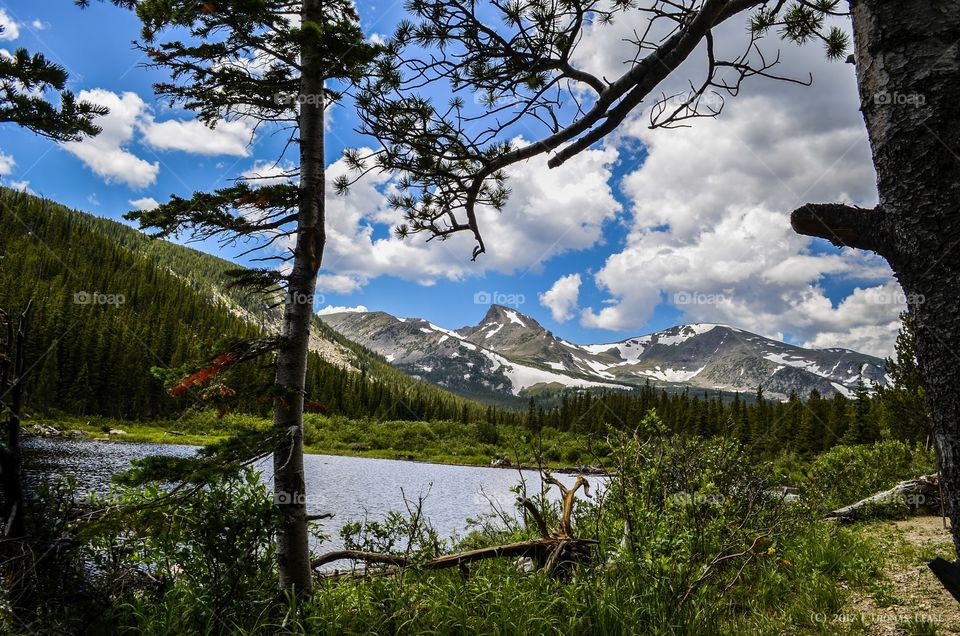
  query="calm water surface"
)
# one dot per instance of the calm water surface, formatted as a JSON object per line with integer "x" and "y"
{"x": 353, "y": 488}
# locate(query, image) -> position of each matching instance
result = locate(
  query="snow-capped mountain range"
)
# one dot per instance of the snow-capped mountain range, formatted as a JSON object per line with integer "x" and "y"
{"x": 509, "y": 353}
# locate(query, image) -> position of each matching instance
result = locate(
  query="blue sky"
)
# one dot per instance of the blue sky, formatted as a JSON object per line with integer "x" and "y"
{"x": 614, "y": 246}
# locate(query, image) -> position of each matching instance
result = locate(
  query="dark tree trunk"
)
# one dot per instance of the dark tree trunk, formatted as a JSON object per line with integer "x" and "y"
{"x": 289, "y": 485}
{"x": 908, "y": 69}
{"x": 11, "y": 383}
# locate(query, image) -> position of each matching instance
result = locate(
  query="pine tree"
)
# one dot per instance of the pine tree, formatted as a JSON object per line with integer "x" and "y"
{"x": 268, "y": 61}
{"x": 863, "y": 429}
{"x": 78, "y": 395}
{"x": 809, "y": 436}
{"x": 26, "y": 80}
{"x": 904, "y": 411}
{"x": 47, "y": 388}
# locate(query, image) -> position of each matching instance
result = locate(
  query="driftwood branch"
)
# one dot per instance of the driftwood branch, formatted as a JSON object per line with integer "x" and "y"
{"x": 537, "y": 517}
{"x": 919, "y": 486}
{"x": 568, "y": 495}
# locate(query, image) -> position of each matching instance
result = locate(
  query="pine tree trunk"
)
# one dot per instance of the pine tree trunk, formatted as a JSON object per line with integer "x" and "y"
{"x": 908, "y": 69}
{"x": 289, "y": 486}
{"x": 11, "y": 462}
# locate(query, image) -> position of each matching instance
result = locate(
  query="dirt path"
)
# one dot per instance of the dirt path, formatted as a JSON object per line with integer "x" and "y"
{"x": 908, "y": 599}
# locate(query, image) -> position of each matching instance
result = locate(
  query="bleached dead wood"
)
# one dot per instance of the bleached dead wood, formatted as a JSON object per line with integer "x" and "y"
{"x": 911, "y": 492}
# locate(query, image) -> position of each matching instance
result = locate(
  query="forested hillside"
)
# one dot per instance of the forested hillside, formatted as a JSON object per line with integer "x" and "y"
{"x": 110, "y": 304}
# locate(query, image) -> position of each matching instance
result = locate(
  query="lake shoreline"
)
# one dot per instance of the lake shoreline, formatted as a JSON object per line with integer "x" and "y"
{"x": 145, "y": 434}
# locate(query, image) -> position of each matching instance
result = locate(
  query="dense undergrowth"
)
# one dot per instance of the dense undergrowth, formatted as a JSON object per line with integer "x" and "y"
{"x": 694, "y": 537}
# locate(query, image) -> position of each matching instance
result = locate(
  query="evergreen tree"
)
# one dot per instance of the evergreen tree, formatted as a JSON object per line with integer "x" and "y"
{"x": 904, "y": 411}
{"x": 863, "y": 429}
{"x": 46, "y": 393}
{"x": 26, "y": 81}
{"x": 268, "y": 61}
{"x": 809, "y": 436}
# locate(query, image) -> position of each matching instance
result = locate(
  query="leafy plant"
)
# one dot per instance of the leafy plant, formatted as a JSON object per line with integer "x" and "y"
{"x": 846, "y": 474}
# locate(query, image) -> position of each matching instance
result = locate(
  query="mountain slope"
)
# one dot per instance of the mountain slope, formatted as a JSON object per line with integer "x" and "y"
{"x": 164, "y": 306}
{"x": 448, "y": 358}
{"x": 510, "y": 353}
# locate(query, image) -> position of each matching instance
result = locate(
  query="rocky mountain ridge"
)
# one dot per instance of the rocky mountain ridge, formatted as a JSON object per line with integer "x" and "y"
{"x": 509, "y": 353}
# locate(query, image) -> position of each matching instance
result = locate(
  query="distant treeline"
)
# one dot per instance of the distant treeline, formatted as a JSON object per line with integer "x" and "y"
{"x": 109, "y": 305}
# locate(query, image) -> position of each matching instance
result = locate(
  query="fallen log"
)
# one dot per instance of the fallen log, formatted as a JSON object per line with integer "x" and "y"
{"x": 541, "y": 550}
{"x": 912, "y": 492}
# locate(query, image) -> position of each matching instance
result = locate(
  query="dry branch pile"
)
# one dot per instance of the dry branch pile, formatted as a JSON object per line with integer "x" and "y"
{"x": 554, "y": 553}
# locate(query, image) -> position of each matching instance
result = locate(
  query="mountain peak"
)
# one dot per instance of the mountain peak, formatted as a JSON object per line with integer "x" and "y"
{"x": 505, "y": 315}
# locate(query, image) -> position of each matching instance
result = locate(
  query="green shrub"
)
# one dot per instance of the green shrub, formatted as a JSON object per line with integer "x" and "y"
{"x": 846, "y": 474}
{"x": 211, "y": 555}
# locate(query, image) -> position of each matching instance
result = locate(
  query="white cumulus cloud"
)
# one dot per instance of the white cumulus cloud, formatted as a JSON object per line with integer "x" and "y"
{"x": 330, "y": 309}
{"x": 6, "y": 164}
{"x": 550, "y": 212}
{"x": 9, "y": 29}
{"x": 561, "y": 298}
{"x": 710, "y": 205}
{"x": 265, "y": 172}
{"x": 106, "y": 154}
{"x": 230, "y": 138}
{"x": 145, "y": 204}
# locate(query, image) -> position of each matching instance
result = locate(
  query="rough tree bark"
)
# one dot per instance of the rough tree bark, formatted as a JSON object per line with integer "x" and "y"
{"x": 11, "y": 380}
{"x": 908, "y": 70}
{"x": 289, "y": 486}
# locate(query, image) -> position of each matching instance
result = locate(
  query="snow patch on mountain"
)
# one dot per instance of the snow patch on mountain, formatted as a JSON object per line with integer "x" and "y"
{"x": 495, "y": 329}
{"x": 523, "y": 377}
{"x": 683, "y": 333}
{"x": 673, "y": 375}
{"x": 513, "y": 352}
{"x": 514, "y": 318}
{"x": 842, "y": 389}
